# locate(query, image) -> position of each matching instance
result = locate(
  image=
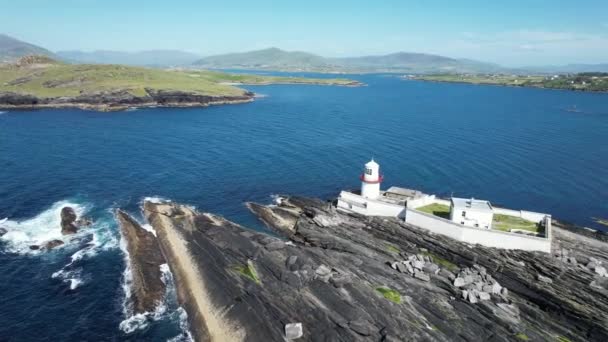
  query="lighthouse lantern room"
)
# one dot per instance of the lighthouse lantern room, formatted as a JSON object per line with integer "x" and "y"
{"x": 370, "y": 180}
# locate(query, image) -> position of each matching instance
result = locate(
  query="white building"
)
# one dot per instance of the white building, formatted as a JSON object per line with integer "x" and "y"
{"x": 471, "y": 212}
{"x": 372, "y": 201}
{"x": 470, "y": 219}
{"x": 370, "y": 180}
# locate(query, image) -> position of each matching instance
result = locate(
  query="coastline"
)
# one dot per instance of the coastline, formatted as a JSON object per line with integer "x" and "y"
{"x": 206, "y": 321}
{"x": 119, "y": 108}
{"x": 344, "y": 277}
{"x": 507, "y": 85}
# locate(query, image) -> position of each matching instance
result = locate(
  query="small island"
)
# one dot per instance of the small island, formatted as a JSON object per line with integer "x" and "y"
{"x": 42, "y": 82}
{"x": 590, "y": 81}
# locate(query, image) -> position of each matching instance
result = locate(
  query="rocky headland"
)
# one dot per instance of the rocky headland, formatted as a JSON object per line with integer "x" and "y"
{"x": 41, "y": 82}
{"x": 118, "y": 100}
{"x": 331, "y": 276}
{"x": 147, "y": 288}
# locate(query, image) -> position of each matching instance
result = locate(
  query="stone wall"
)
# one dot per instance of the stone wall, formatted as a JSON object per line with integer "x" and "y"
{"x": 486, "y": 237}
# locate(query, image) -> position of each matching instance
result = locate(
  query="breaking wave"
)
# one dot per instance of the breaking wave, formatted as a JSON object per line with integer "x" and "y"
{"x": 166, "y": 310}
{"x": 44, "y": 227}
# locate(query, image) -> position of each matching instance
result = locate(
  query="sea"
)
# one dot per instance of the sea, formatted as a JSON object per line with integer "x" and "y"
{"x": 521, "y": 148}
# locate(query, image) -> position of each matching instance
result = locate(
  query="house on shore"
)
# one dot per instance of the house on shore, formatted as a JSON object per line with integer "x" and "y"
{"x": 465, "y": 219}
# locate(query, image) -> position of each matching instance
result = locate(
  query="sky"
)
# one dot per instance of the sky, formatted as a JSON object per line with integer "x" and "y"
{"x": 511, "y": 33}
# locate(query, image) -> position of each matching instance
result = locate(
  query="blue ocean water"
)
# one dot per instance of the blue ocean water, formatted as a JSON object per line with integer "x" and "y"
{"x": 518, "y": 147}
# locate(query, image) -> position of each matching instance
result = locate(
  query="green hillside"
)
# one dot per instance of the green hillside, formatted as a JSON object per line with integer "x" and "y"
{"x": 41, "y": 81}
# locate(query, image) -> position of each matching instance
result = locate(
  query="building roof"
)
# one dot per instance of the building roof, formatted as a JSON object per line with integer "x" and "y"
{"x": 404, "y": 192}
{"x": 470, "y": 204}
{"x": 372, "y": 163}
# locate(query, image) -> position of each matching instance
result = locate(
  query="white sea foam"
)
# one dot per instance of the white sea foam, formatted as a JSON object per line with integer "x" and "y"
{"x": 155, "y": 199}
{"x": 3, "y": 220}
{"x": 277, "y": 199}
{"x": 185, "y": 336}
{"x": 43, "y": 227}
{"x": 149, "y": 228}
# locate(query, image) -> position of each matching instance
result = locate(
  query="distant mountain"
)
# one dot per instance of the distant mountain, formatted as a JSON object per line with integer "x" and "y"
{"x": 158, "y": 58}
{"x": 277, "y": 59}
{"x": 570, "y": 68}
{"x": 271, "y": 58}
{"x": 11, "y": 49}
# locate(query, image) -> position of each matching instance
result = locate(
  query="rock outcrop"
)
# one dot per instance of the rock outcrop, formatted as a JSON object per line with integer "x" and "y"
{"x": 343, "y": 277}
{"x": 119, "y": 100}
{"x": 145, "y": 259}
{"x": 68, "y": 221}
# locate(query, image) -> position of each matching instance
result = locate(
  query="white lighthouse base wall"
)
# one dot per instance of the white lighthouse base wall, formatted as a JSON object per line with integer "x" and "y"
{"x": 485, "y": 237}
{"x": 369, "y": 207}
{"x": 370, "y": 190}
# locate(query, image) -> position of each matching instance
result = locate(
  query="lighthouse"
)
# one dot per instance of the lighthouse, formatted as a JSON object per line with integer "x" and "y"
{"x": 370, "y": 180}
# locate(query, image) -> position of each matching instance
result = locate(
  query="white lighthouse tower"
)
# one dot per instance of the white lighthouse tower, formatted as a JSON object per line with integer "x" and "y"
{"x": 370, "y": 180}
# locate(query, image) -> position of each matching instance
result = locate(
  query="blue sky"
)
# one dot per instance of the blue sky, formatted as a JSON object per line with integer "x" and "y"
{"x": 512, "y": 33}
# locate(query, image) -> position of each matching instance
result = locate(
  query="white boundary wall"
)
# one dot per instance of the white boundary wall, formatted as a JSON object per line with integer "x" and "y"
{"x": 366, "y": 206}
{"x": 526, "y": 215}
{"x": 486, "y": 237}
{"x": 421, "y": 201}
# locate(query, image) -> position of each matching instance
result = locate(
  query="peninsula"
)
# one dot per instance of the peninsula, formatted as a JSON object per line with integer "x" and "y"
{"x": 338, "y": 276}
{"x": 588, "y": 81}
{"x": 42, "y": 82}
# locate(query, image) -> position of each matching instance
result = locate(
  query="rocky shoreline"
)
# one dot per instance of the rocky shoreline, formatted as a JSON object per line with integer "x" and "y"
{"x": 107, "y": 101}
{"x": 332, "y": 276}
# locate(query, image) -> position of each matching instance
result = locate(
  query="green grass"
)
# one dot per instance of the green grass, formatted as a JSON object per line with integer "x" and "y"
{"x": 56, "y": 79}
{"x": 562, "y": 339}
{"x": 436, "y": 209}
{"x": 441, "y": 261}
{"x": 389, "y": 294}
{"x": 522, "y": 337}
{"x": 506, "y": 223}
{"x": 248, "y": 271}
{"x": 392, "y": 249}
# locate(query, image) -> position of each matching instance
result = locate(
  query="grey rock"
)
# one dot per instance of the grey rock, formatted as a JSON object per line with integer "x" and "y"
{"x": 601, "y": 271}
{"x": 340, "y": 280}
{"x": 472, "y": 297}
{"x": 544, "y": 279}
{"x": 418, "y": 264}
{"x": 401, "y": 268}
{"x": 361, "y": 327}
{"x": 68, "y": 221}
{"x": 430, "y": 268}
{"x": 293, "y": 331}
{"x": 3, "y": 231}
{"x": 484, "y": 296}
{"x": 275, "y": 245}
{"x": 421, "y": 275}
{"x": 459, "y": 282}
{"x": 351, "y": 312}
{"x": 322, "y": 270}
